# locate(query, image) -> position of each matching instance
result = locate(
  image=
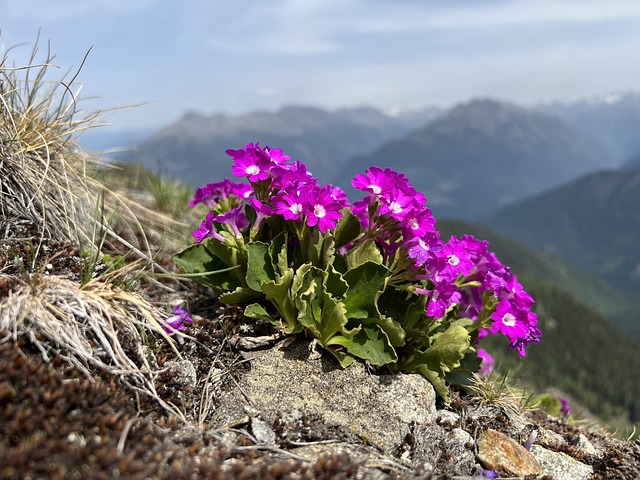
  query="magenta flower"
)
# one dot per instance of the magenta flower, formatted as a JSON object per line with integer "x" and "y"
{"x": 491, "y": 474}
{"x": 375, "y": 181}
{"x": 339, "y": 196}
{"x": 418, "y": 222}
{"x": 234, "y": 218}
{"x": 565, "y": 408}
{"x": 510, "y": 322}
{"x": 322, "y": 209}
{"x": 290, "y": 203}
{"x": 212, "y": 193}
{"x": 360, "y": 209}
{"x": 290, "y": 177}
{"x": 276, "y": 155}
{"x": 487, "y": 362}
{"x": 207, "y": 229}
{"x": 443, "y": 295}
{"x": 399, "y": 203}
{"x": 250, "y": 162}
{"x": 458, "y": 258}
{"x": 177, "y": 322}
{"x": 422, "y": 249}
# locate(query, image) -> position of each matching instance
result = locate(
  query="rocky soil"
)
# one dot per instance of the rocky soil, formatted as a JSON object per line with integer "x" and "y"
{"x": 254, "y": 404}
{"x": 280, "y": 411}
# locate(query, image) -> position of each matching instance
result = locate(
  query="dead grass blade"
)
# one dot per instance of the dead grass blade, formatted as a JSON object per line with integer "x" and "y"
{"x": 93, "y": 328}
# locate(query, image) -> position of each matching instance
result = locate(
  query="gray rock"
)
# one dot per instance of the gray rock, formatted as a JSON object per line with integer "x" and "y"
{"x": 376, "y": 466}
{"x": 582, "y": 442}
{"x": 181, "y": 372}
{"x": 549, "y": 438}
{"x": 262, "y": 432}
{"x": 440, "y": 452}
{"x": 461, "y": 436}
{"x": 446, "y": 417}
{"x": 377, "y": 409}
{"x": 560, "y": 465}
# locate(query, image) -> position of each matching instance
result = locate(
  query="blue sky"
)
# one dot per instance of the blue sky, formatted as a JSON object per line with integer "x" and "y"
{"x": 236, "y": 56}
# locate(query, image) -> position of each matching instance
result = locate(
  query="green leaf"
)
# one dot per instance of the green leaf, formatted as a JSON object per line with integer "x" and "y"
{"x": 463, "y": 375}
{"x": 438, "y": 382}
{"x": 278, "y": 254}
{"x": 446, "y": 351}
{"x": 334, "y": 320}
{"x": 299, "y": 278}
{"x": 240, "y": 296}
{"x": 344, "y": 359}
{"x": 347, "y": 228}
{"x": 313, "y": 246}
{"x": 393, "y": 329}
{"x": 370, "y": 344}
{"x": 199, "y": 259}
{"x": 408, "y": 309}
{"x": 366, "y": 251}
{"x": 279, "y": 293}
{"x": 308, "y": 300}
{"x": 230, "y": 255}
{"x": 259, "y": 266}
{"x": 365, "y": 281}
{"x": 328, "y": 251}
{"x": 257, "y": 311}
{"x": 335, "y": 283}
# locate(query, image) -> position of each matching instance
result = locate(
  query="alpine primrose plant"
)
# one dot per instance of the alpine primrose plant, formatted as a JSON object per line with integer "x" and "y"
{"x": 371, "y": 281}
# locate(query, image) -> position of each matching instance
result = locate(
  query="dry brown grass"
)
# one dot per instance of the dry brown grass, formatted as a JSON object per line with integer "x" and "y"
{"x": 45, "y": 193}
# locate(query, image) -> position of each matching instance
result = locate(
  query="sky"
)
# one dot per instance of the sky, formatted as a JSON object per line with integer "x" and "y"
{"x": 236, "y": 56}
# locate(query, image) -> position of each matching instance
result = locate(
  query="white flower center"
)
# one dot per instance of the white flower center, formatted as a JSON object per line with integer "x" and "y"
{"x": 375, "y": 189}
{"x": 453, "y": 260}
{"x": 296, "y": 208}
{"x": 252, "y": 170}
{"x": 395, "y": 207}
{"x": 319, "y": 211}
{"x": 509, "y": 320}
{"x": 414, "y": 224}
{"x": 435, "y": 295}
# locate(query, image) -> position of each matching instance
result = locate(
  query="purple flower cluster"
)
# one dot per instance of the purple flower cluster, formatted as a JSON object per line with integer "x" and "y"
{"x": 212, "y": 193}
{"x": 487, "y": 362}
{"x": 277, "y": 187}
{"x": 565, "y": 408}
{"x": 454, "y": 273}
{"x": 396, "y": 216}
{"x": 176, "y": 323}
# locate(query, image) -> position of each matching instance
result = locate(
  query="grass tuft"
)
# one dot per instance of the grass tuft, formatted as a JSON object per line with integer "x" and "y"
{"x": 47, "y": 197}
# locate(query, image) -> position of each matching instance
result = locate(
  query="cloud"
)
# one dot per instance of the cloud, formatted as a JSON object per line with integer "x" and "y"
{"x": 45, "y": 11}
{"x": 245, "y": 54}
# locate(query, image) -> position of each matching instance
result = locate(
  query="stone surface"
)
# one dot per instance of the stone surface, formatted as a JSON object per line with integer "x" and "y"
{"x": 496, "y": 451}
{"x": 549, "y": 438}
{"x": 446, "y": 417}
{"x": 461, "y": 436}
{"x": 375, "y": 466}
{"x": 284, "y": 383}
{"x": 582, "y": 442}
{"x": 561, "y": 466}
{"x": 438, "y": 450}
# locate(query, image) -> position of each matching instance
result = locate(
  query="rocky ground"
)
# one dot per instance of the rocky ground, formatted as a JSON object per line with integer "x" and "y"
{"x": 253, "y": 404}
{"x": 56, "y": 423}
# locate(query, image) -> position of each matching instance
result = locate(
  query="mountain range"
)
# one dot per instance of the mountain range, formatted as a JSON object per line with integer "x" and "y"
{"x": 592, "y": 222}
{"x": 482, "y": 155}
{"x": 192, "y": 149}
{"x": 613, "y": 120}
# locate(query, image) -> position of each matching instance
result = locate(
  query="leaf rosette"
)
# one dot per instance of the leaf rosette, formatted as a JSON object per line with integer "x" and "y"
{"x": 372, "y": 281}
